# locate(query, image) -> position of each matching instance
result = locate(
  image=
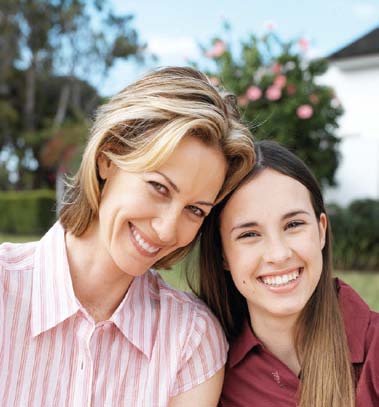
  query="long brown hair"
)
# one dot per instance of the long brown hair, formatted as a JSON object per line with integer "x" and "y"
{"x": 320, "y": 339}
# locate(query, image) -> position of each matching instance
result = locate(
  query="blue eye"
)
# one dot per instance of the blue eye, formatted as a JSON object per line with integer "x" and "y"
{"x": 161, "y": 189}
{"x": 196, "y": 211}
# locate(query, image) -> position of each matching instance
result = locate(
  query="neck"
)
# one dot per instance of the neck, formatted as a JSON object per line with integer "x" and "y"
{"x": 98, "y": 283}
{"x": 277, "y": 335}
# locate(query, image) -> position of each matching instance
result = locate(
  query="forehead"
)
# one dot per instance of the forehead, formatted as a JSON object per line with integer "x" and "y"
{"x": 195, "y": 167}
{"x": 271, "y": 194}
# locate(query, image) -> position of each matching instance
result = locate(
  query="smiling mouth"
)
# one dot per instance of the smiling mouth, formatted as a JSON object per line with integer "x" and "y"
{"x": 141, "y": 243}
{"x": 282, "y": 280}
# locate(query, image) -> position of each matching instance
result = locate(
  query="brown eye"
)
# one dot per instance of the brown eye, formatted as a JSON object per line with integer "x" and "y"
{"x": 161, "y": 189}
{"x": 196, "y": 211}
{"x": 246, "y": 235}
{"x": 294, "y": 224}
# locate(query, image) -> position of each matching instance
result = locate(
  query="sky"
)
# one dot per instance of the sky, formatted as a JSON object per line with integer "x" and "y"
{"x": 173, "y": 29}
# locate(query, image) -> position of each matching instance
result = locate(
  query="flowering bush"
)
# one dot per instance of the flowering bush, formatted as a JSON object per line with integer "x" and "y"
{"x": 280, "y": 98}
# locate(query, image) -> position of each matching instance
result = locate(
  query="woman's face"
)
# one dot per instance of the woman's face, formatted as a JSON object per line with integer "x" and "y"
{"x": 272, "y": 245}
{"x": 144, "y": 216}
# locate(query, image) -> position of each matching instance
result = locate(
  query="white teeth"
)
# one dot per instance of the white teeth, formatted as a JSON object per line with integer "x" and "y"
{"x": 144, "y": 245}
{"x": 280, "y": 280}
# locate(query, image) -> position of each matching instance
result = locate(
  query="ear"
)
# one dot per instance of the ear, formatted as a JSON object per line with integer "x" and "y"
{"x": 322, "y": 227}
{"x": 225, "y": 263}
{"x": 104, "y": 164}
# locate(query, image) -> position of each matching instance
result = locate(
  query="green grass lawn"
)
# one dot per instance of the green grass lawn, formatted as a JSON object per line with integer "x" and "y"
{"x": 366, "y": 284}
{"x": 18, "y": 239}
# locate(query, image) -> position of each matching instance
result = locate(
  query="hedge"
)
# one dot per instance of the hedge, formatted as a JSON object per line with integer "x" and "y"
{"x": 356, "y": 235}
{"x": 27, "y": 212}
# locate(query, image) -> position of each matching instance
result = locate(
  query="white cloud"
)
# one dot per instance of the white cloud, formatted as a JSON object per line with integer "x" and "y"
{"x": 166, "y": 46}
{"x": 366, "y": 11}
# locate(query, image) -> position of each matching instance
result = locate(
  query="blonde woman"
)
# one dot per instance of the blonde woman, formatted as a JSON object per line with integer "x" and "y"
{"x": 297, "y": 336}
{"x": 84, "y": 319}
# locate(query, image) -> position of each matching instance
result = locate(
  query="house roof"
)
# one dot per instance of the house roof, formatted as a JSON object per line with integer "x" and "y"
{"x": 363, "y": 46}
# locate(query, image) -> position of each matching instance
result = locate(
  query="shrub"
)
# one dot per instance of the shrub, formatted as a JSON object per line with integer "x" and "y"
{"x": 27, "y": 212}
{"x": 356, "y": 235}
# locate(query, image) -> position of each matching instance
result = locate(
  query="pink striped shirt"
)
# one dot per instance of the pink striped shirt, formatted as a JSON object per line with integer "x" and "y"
{"x": 159, "y": 342}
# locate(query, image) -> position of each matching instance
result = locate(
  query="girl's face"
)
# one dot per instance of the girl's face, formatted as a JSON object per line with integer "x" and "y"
{"x": 145, "y": 216}
{"x": 272, "y": 245}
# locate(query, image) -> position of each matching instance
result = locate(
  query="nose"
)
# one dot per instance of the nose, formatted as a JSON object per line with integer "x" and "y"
{"x": 166, "y": 226}
{"x": 277, "y": 250}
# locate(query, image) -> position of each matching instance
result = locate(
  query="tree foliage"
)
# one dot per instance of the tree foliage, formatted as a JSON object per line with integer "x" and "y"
{"x": 47, "y": 47}
{"x": 280, "y": 96}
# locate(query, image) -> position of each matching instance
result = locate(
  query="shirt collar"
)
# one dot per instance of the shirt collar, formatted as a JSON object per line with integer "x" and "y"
{"x": 53, "y": 298}
{"x": 136, "y": 316}
{"x": 242, "y": 344}
{"x": 356, "y": 317}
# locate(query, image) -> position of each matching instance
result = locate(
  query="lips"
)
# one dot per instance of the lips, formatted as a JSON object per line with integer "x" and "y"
{"x": 145, "y": 247}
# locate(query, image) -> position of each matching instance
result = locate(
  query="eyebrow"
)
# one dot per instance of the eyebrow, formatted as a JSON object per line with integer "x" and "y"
{"x": 175, "y": 187}
{"x": 284, "y": 217}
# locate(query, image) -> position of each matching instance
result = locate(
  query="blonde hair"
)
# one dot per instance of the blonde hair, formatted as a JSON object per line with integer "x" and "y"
{"x": 139, "y": 128}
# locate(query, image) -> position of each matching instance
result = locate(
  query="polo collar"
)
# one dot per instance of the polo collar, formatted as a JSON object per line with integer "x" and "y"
{"x": 242, "y": 344}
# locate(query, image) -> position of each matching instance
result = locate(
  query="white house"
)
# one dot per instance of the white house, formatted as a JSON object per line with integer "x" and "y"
{"x": 354, "y": 74}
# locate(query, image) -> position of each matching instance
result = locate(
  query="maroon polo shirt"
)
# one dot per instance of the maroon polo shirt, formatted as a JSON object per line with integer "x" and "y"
{"x": 256, "y": 378}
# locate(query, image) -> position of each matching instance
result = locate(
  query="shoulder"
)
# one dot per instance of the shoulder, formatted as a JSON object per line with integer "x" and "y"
{"x": 373, "y": 329}
{"x": 361, "y": 323}
{"x": 177, "y": 301}
{"x": 17, "y": 256}
{"x": 351, "y": 303}
{"x": 16, "y": 270}
{"x": 188, "y": 318}
{"x": 197, "y": 342}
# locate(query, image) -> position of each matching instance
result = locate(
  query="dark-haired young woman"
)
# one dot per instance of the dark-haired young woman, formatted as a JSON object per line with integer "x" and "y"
{"x": 297, "y": 336}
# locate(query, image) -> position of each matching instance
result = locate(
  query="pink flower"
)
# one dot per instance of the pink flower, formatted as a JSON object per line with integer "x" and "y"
{"x": 273, "y": 93}
{"x": 243, "y": 101}
{"x": 314, "y": 99}
{"x": 303, "y": 44}
{"x": 217, "y": 50}
{"x": 304, "y": 111}
{"x": 214, "y": 81}
{"x": 280, "y": 81}
{"x": 276, "y": 68}
{"x": 291, "y": 89}
{"x": 253, "y": 93}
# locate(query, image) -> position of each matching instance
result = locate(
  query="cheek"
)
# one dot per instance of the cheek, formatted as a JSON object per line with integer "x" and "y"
{"x": 187, "y": 232}
{"x": 243, "y": 263}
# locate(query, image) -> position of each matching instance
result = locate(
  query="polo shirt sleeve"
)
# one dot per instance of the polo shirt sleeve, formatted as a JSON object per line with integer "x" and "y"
{"x": 204, "y": 352}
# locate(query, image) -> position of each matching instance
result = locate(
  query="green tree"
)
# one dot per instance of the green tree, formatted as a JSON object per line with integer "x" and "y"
{"x": 280, "y": 97}
{"x": 46, "y": 46}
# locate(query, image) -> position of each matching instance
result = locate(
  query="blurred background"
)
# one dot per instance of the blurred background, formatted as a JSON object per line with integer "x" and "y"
{"x": 305, "y": 74}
